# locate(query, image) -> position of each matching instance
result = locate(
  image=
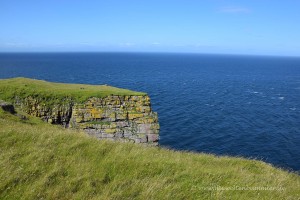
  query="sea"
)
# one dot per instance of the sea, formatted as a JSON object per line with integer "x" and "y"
{"x": 234, "y": 105}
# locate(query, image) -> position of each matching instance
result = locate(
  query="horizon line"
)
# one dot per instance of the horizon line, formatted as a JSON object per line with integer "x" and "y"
{"x": 149, "y": 52}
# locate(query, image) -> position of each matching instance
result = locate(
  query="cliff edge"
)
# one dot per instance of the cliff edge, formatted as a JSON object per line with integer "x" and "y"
{"x": 102, "y": 111}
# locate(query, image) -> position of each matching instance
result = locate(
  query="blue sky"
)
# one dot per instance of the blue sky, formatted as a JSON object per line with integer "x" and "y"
{"x": 263, "y": 27}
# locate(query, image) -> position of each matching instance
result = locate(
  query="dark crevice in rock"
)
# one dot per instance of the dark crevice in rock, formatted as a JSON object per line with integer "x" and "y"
{"x": 8, "y": 107}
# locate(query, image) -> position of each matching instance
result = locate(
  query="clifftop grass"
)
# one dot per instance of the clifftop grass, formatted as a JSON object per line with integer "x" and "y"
{"x": 24, "y": 87}
{"x": 41, "y": 161}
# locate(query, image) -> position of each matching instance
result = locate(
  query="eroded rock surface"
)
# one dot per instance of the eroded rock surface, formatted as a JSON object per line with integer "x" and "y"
{"x": 124, "y": 118}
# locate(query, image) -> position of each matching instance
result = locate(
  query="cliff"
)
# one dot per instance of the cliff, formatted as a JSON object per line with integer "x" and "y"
{"x": 101, "y": 111}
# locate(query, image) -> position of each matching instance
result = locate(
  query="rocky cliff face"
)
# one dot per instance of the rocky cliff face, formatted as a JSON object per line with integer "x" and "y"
{"x": 115, "y": 117}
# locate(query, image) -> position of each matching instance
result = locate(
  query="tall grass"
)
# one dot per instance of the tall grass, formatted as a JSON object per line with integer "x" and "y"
{"x": 41, "y": 161}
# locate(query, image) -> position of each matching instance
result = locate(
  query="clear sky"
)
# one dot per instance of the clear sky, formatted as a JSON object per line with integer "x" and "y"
{"x": 264, "y": 27}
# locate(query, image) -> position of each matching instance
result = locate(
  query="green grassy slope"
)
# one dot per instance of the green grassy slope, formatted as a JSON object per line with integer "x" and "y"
{"x": 41, "y": 161}
{"x": 23, "y": 87}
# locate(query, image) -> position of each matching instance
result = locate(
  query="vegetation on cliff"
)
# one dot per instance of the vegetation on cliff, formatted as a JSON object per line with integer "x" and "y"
{"x": 42, "y": 161}
{"x": 49, "y": 91}
{"x": 102, "y": 111}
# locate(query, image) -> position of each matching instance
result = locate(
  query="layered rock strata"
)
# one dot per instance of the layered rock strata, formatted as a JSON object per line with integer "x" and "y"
{"x": 115, "y": 117}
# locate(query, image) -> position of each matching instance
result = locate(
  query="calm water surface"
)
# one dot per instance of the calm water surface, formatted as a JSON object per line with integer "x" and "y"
{"x": 227, "y": 105}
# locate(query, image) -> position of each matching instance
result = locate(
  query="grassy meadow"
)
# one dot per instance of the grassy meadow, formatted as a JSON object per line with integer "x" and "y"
{"x": 42, "y": 161}
{"x": 48, "y": 91}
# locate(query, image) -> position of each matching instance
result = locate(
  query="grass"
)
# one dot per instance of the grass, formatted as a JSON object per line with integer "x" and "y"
{"x": 48, "y": 91}
{"x": 42, "y": 161}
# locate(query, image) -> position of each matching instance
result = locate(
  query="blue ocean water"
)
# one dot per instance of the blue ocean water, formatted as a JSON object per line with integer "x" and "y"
{"x": 226, "y": 105}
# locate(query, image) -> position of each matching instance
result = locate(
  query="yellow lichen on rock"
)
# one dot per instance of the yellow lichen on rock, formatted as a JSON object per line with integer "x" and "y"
{"x": 110, "y": 130}
{"x": 96, "y": 113}
{"x": 132, "y": 116}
